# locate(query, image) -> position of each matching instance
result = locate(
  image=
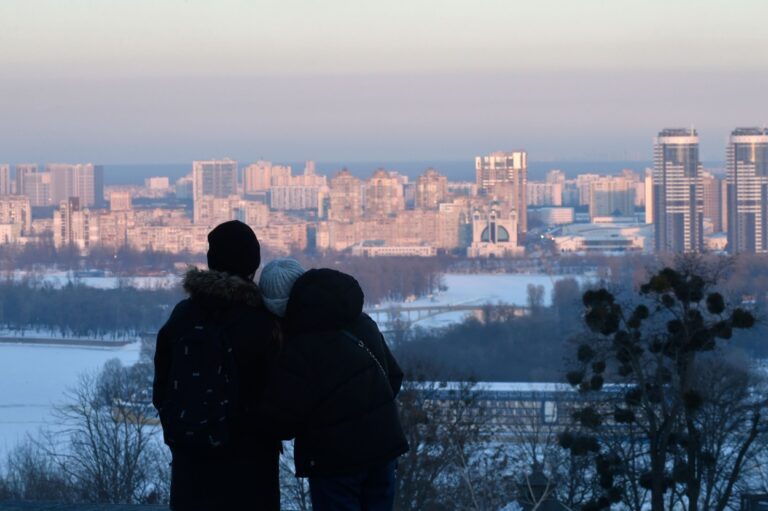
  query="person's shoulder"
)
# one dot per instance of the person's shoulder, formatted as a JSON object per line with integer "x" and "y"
{"x": 181, "y": 309}
{"x": 365, "y": 322}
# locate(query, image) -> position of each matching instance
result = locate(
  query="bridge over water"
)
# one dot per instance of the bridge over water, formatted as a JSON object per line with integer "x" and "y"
{"x": 402, "y": 317}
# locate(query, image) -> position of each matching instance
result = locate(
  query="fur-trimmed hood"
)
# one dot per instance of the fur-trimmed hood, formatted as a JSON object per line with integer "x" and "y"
{"x": 223, "y": 286}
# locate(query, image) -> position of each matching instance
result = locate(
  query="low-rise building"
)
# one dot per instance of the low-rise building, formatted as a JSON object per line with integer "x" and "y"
{"x": 379, "y": 248}
{"x": 585, "y": 238}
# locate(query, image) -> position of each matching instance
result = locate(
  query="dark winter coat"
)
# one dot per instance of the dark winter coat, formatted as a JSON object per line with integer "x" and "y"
{"x": 247, "y": 472}
{"x": 328, "y": 391}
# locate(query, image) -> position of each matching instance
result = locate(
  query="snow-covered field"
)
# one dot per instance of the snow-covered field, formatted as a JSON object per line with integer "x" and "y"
{"x": 33, "y": 379}
{"x": 106, "y": 281}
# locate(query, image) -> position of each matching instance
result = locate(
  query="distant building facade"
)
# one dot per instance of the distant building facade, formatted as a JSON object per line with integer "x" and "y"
{"x": 345, "y": 197}
{"x": 612, "y": 196}
{"x": 85, "y": 181}
{"x": 384, "y": 195}
{"x": 5, "y": 179}
{"x": 16, "y": 215}
{"x": 677, "y": 192}
{"x": 712, "y": 190}
{"x": 494, "y": 232}
{"x": 504, "y": 176}
{"x": 75, "y": 226}
{"x": 747, "y": 190}
{"x": 431, "y": 190}
{"x": 212, "y": 178}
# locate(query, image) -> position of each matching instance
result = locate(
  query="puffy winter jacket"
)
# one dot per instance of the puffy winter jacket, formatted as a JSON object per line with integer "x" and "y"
{"x": 247, "y": 471}
{"x": 335, "y": 382}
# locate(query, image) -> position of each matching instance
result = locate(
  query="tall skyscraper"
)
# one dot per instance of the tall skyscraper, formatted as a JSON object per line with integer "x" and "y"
{"x": 677, "y": 191}
{"x": 504, "y": 175}
{"x": 747, "y": 190}
{"x": 84, "y": 181}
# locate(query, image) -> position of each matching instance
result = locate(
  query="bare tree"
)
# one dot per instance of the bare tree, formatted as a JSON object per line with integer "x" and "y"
{"x": 108, "y": 447}
{"x": 294, "y": 491}
{"x": 454, "y": 461}
{"x": 31, "y": 475}
{"x": 696, "y": 416}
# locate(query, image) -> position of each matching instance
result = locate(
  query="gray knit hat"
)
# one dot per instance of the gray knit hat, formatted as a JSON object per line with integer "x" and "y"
{"x": 276, "y": 281}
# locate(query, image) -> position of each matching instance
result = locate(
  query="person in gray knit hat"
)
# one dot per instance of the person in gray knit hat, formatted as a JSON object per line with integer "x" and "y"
{"x": 276, "y": 281}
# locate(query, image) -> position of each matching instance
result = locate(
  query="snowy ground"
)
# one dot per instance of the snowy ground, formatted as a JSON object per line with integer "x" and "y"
{"x": 33, "y": 379}
{"x": 107, "y": 281}
{"x": 480, "y": 289}
{"x": 41, "y": 333}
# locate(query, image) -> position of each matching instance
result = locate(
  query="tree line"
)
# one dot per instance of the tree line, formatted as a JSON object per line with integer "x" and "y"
{"x": 76, "y": 310}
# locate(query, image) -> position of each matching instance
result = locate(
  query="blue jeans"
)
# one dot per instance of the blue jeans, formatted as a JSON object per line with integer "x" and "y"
{"x": 371, "y": 490}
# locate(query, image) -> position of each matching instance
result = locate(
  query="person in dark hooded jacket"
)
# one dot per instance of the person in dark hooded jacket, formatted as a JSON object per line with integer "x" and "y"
{"x": 244, "y": 472}
{"x": 333, "y": 390}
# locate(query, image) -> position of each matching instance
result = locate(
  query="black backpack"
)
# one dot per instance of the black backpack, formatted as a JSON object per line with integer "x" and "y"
{"x": 201, "y": 395}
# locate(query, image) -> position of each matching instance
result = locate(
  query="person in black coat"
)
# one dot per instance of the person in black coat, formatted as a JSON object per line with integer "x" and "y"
{"x": 244, "y": 472}
{"x": 333, "y": 390}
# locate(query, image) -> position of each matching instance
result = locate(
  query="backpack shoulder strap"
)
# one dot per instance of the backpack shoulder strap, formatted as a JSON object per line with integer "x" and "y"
{"x": 359, "y": 342}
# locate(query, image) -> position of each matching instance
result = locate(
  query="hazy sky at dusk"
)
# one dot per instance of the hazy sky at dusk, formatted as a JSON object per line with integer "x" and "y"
{"x": 172, "y": 81}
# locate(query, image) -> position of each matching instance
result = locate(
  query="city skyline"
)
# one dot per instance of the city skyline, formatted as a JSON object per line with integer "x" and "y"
{"x": 178, "y": 81}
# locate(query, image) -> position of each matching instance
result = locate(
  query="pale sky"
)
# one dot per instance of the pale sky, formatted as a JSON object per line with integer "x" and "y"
{"x": 171, "y": 81}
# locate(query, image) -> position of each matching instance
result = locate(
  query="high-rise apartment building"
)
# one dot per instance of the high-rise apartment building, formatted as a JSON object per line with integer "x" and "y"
{"x": 648, "y": 190}
{"x": 712, "y": 207}
{"x": 747, "y": 190}
{"x": 504, "y": 175}
{"x": 431, "y": 190}
{"x": 22, "y": 170}
{"x": 584, "y": 186}
{"x": 83, "y": 180}
{"x": 257, "y": 177}
{"x": 677, "y": 191}
{"x": 212, "y": 178}
{"x": 611, "y": 196}
{"x": 74, "y": 226}
{"x": 539, "y": 193}
{"x": 384, "y": 194}
{"x": 5, "y": 179}
{"x": 345, "y": 197}
{"x": 35, "y": 185}
{"x": 288, "y": 192}
{"x": 17, "y": 212}
{"x": 215, "y": 178}
{"x": 555, "y": 176}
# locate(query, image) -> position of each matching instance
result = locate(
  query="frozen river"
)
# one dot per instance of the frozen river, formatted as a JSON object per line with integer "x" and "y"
{"x": 33, "y": 379}
{"x": 496, "y": 288}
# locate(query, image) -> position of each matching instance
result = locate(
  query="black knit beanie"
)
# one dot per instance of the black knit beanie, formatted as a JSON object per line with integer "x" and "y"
{"x": 233, "y": 248}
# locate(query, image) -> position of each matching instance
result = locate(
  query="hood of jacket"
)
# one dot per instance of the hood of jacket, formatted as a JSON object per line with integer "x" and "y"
{"x": 324, "y": 299}
{"x": 222, "y": 287}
